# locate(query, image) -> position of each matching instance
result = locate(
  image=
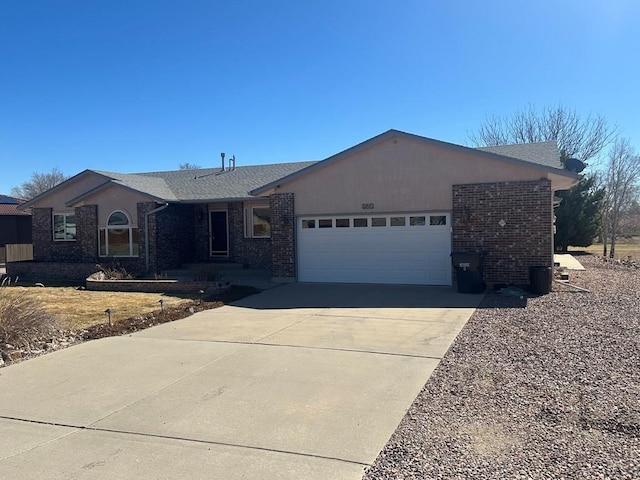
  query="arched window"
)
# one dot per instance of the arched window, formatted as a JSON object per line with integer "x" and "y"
{"x": 119, "y": 238}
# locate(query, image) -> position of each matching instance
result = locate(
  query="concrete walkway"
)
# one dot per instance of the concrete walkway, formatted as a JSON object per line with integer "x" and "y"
{"x": 301, "y": 381}
{"x": 567, "y": 261}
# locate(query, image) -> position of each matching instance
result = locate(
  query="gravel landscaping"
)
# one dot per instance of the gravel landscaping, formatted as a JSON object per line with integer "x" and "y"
{"x": 540, "y": 388}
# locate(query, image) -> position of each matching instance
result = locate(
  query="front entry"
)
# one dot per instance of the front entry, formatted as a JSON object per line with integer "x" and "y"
{"x": 219, "y": 234}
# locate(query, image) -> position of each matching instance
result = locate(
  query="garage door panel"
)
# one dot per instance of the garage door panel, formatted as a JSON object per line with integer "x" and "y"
{"x": 387, "y": 254}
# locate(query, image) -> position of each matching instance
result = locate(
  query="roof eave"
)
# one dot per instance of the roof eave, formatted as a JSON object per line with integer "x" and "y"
{"x": 58, "y": 187}
{"x": 563, "y": 179}
{"x": 216, "y": 200}
{"x": 115, "y": 183}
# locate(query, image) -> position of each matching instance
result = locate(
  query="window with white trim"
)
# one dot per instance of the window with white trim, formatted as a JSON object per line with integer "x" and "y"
{"x": 119, "y": 238}
{"x": 64, "y": 227}
{"x": 258, "y": 222}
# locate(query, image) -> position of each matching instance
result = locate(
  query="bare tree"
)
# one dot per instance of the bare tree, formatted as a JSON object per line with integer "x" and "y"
{"x": 621, "y": 179}
{"x": 630, "y": 220}
{"x": 39, "y": 183}
{"x": 189, "y": 166}
{"x": 577, "y": 137}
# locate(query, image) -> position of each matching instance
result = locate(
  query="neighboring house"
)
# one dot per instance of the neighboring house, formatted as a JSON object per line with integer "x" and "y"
{"x": 15, "y": 225}
{"x": 389, "y": 210}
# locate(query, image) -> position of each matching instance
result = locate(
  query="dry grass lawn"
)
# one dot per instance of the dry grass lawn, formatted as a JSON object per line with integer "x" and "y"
{"x": 78, "y": 309}
{"x": 624, "y": 249}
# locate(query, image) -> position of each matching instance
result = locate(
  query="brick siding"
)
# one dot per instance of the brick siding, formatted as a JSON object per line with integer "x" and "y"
{"x": 83, "y": 249}
{"x": 156, "y": 286}
{"x": 525, "y": 239}
{"x": 44, "y": 272}
{"x": 175, "y": 236}
{"x": 201, "y": 244}
{"x": 250, "y": 252}
{"x": 283, "y": 227}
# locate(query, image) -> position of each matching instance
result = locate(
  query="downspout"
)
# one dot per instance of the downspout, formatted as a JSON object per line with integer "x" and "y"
{"x": 146, "y": 232}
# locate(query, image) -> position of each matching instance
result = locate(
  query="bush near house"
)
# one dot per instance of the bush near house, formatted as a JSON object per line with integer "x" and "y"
{"x": 24, "y": 319}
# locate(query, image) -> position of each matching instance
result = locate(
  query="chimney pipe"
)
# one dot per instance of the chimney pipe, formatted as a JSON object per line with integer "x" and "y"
{"x": 222, "y": 156}
{"x": 232, "y": 159}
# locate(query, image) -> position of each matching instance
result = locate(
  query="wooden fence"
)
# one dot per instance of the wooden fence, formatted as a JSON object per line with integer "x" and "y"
{"x": 19, "y": 251}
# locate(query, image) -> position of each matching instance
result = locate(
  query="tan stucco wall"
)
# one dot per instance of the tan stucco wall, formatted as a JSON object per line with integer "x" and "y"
{"x": 398, "y": 174}
{"x": 115, "y": 198}
{"x": 76, "y": 187}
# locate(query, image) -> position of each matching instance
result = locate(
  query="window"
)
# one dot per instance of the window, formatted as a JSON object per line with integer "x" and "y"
{"x": 398, "y": 221}
{"x": 64, "y": 227}
{"x": 379, "y": 222}
{"x": 342, "y": 223}
{"x": 360, "y": 222}
{"x": 417, "y": 221}
{"x": 119, "y": 238}
{"x": 308, "y": 224}
{"x": 325, "y": 223}
{"x": 257, "y": 222}
{"x": 260, "y": 222}
{"x": 438, "y": 220}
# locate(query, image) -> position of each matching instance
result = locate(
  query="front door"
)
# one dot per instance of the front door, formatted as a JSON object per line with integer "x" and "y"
{"x": 219, "y": 234}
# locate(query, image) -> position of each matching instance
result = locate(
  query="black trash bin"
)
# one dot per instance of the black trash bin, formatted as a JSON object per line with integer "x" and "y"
{"x": 469, "y": 274}
{"x": 540, "y": 279}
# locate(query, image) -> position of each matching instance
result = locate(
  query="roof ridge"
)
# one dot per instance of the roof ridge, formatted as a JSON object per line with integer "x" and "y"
{"x": 517, "y": 144}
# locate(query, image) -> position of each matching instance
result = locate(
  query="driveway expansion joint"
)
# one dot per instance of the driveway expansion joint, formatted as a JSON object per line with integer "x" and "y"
{"x": 309, "y": 347}
{"x": 182, "y": 439}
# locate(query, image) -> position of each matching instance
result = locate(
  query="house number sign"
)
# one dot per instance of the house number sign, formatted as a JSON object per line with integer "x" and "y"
{"x": 367, "y": 206}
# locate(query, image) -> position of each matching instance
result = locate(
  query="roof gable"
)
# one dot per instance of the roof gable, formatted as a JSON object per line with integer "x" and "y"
{"x": 543, "y": 156}
{"x": 61, "y": 187}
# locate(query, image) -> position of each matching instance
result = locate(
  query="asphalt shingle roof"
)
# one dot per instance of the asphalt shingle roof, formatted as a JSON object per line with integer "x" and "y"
{"x": 11, "y": 210}
{"x": 542, "y": 153}
{"x": 206, "y": 184}
{"x": 214, "y": 184}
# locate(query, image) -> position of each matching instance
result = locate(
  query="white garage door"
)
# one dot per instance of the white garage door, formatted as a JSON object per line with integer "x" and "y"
{"x": 394, "y": 248}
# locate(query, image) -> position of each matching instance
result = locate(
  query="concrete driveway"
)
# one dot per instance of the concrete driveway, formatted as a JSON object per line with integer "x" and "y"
{"x": 301, "y": 381}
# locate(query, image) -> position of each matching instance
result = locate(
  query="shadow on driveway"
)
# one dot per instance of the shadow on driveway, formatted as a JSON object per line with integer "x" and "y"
{"x": 325, "y": 295}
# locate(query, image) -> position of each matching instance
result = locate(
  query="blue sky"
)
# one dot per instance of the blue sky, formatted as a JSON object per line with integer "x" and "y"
{"x": 141, "y": 85}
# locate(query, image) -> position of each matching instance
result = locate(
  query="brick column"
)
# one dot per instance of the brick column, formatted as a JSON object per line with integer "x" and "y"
{"x": 87, "y": 232}
{"x": 42, "y": 233}
{"x": 283, "y": 226}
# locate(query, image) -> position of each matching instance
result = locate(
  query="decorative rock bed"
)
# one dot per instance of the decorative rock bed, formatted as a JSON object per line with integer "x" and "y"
{"x": 546, "y": 389}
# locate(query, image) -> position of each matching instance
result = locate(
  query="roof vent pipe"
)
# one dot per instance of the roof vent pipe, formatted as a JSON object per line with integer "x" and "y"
{"x": 232, "y": 160}
{"x": 222, "y": 156}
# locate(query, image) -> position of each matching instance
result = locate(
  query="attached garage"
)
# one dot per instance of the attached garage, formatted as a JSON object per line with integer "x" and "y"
{"x": 398, "y": 248}
{"x": 393, "y": 208}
